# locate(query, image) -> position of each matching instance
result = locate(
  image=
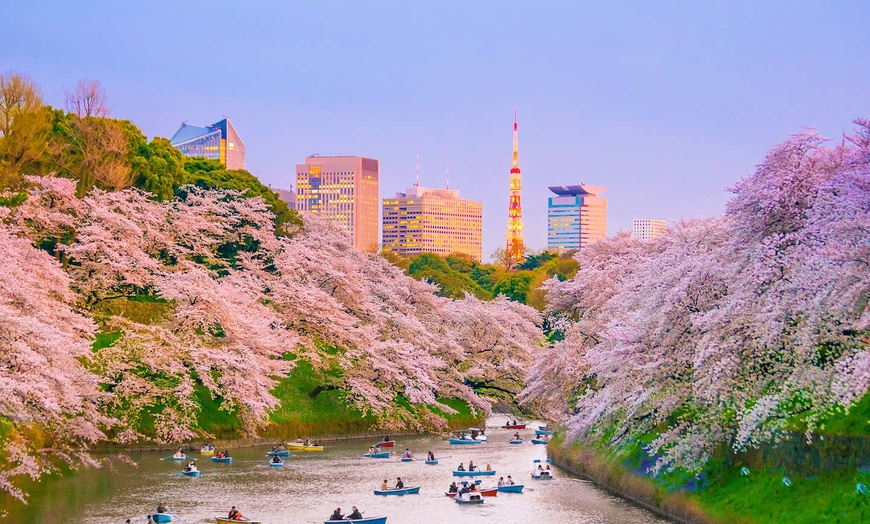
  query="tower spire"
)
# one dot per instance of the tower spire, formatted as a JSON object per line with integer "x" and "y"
{"x": 515, "y": 247}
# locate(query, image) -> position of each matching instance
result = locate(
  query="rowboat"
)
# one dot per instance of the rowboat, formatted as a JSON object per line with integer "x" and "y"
{"x": 539, "y": 441}
{"x": 206, "y": 451}
{"x": 222, "y": 460}
{"x": 224, "y": 520}
{"x": 513, "y": 488}
{"x": 514, "y": 426}
{"x": 468, "y": 498}
{"x": 546, "y": 427}
{"x": 381, "y": 455}
{"x": 386, "y": 443}
{"x": 489, "y": 492}
{"x": 161, "y": 517}
{"x": 367, "y": 520}
{"x": 464, "y": 441}
{"x": 407, "y": 459}
{"x": 194, "y": 473}
{"x": 404, "y": 491}
{"x": 431, "y": 462}
{"x": 282, "y": 453}
{"x": 520, "y": 441}
{"x": 474, "y": 473}
{"x": 276, "y": 464}
{"x": 539, "y": 432}
{"x": 301, "y": 446}
{"x": 182, "y": 457}
{"x": 311, "y": 448}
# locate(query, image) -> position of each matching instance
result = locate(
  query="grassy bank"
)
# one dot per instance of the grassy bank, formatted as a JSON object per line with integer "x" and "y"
{"x": 724, "y": 495}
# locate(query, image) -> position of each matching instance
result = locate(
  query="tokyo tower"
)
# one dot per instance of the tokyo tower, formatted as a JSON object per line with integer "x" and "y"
{"x": 515, "y": 247}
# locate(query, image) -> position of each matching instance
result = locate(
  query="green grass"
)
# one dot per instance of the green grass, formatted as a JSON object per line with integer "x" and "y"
{"x": 761, "y": 498}
{"x": 219, "y": 422}
{"x": 854, "y": 423}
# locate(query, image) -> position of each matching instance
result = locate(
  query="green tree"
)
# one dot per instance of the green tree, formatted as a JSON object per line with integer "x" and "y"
{"x": 533, "y": 262}
{"x": 515, "y": 285}
{"x": 453, "y": 284}
{"x": 158, "y": 168}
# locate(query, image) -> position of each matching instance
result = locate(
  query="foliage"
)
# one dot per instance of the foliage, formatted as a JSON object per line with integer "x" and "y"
{"x": 451, "y": 283}
{"x": 726, "y": 329}
{"x": 515, "y": 286}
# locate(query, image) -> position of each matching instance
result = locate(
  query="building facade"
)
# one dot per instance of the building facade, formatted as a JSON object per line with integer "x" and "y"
{"x": 576, "y": 217}
{"x": 427, "y": 220}
{"x": 219, "y": 141}
{"x": 345, "y": 189}
{"x": 648, "y": 228}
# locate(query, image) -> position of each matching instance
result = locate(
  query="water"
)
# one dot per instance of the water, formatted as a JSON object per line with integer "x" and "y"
{"x": 312, "y": 484}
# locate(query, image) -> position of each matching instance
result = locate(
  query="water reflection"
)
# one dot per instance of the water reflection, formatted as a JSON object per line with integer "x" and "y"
{"x": 312, "y": 484}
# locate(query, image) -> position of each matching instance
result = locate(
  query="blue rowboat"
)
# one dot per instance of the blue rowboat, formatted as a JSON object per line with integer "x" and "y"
{"x": 276, "y": 464}
{"x": 404, "y": 491}
{"x": 182, "y": 457}
{"x": 539, "y": 432}
{"x": 367, "y": 520}
{"x": 513, "y": 488}
{"x": 190, "y": 473}
{"x": 464, "y": 441}
{"x": 161, "y": 517}
{"x": 474, "y": 473}
{"x": 223, "y": 460}
{"x": 431, "y": 462}
{"x": 539, "y": 441}
{"x": 381, "y": 455}
{"x": 407, "y": 459}
{"x": 285, "y": 453}
{"x": 520, "y": 441}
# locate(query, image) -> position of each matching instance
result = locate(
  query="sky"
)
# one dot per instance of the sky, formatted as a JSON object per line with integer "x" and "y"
{"x": 666, "y": 103}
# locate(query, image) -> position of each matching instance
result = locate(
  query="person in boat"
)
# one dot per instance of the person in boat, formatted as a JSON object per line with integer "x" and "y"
{"x": 461, "y": 467}
{"x": 509, "y": 481}
{"x": 471, "y": 466}
{"x": 235, "y": 514}
{"x": 274, "y": 449}
{"x": 408, "y": 453}
{"x": 275, "y": 459}
{"x": 299, "y": 440}
{"x": 162, "y": 508}
{"x": 386, "y": 438}
{"x": 465, "y": 489}
{"x": 399, "y": 483}
{"x": 336, "y": 515}
{"x": 453, "y": 488}
{"x": 500, "y": 482}
{"x": 226, "y": 453}
{"x": 191, "y": 466}
{"x": 488, "y": 467}
{"x": 385, "y": 486}
{"x": 548, "y": 467}
{"x": 179, "y": 454}
{"x": 517, "y": 435}
{"x": 355, "y": 514}
{"x": 372, "y": 450}
{"x": 430, "y": 457}
{"x": 218, "y": 455}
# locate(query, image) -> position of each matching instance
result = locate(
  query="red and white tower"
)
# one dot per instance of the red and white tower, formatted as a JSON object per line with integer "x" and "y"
{"x": 515, "y": 246}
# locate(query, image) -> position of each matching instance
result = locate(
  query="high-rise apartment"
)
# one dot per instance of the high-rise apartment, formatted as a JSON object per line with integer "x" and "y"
{"x": 345, "y": 189}
{"x": 219, "y": 141}
{"x": 576, "y": 217}
{"x": 427, "y": 220}
{"x": 648, "y": 228}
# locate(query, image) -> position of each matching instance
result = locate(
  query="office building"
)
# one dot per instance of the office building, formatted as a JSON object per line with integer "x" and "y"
{"x": 576, "y": 217}
{"x": 648, "y": 228}
{"x": 219, "y": 141}
{"x": 427, "y": 220}
{"x": 288, "y": 196}
{"x": 345, "y": 189}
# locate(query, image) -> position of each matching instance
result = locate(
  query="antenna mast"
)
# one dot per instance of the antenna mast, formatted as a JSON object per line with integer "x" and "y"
{"x": 515, "y": 246}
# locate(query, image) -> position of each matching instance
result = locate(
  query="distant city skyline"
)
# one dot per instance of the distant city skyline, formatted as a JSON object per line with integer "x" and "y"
{"x": 671, "y": 100}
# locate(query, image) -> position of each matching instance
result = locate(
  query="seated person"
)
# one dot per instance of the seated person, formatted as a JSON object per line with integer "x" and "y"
{"x": 453, "y": 488}
{"x": 461, "y": 467}
{"x": 509, "y": 481}
{"x": 299, "y": 440}
{"x": 372, "y": 450}
{"x": 179, "y": 454}
{"x": 276, "y": 459}
{"x": 162, "y": 508}
{"x": 407, "y": 453}
{"x": 399, "y": 483}
{"x": 336, "y": 515}
{"x": 500, "y": 481}
{"x": 234, "y": 514}
{"x": 226, "y": 453}
{"x": 430, "y": 456}
{"x": 355, "y": 514}
{"x": 488, "y": 467}
{"x": 471, "y": 466}
{"x": 464, "y": 489}
{"x": 384, "y": 486}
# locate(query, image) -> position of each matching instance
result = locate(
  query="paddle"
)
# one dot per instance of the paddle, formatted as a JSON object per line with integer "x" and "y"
{"x": 169, "y": 457}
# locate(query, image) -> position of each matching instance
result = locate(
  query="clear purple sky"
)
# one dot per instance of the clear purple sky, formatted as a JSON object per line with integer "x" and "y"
{"x": 665, "y": 103}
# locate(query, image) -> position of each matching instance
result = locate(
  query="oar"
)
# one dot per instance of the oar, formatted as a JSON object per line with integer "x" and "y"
{"x": 169, "y": 457}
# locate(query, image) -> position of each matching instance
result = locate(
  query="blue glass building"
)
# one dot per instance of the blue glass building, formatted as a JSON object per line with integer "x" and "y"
{"x": 576, "y": 217}
{"x": 218, "y": 141}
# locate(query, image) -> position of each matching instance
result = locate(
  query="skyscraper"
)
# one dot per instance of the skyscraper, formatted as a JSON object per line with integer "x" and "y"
{"x": 427, "y": 220}
{"x": 648, "y": 228}
{"x": 345, "y": 189}
{"x": 515, "y": 246}
{"x": 219, "y": 141}
{"x": 576, "y": 217}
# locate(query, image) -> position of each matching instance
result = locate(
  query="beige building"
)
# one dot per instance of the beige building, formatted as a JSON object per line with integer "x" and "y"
{"x": 576, "y": 217}
{"x": 427, "y": 220}
{"x": 344, "y": 188}
{"x": 648, "y": 228}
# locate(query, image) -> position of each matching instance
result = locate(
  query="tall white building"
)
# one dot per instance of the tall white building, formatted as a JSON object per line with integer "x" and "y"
{"x": 648, "y": 228}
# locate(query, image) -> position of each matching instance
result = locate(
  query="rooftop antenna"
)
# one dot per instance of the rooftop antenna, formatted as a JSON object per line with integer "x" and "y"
{"x": 448, "y": 170}
{"x": 417, "y": 183}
